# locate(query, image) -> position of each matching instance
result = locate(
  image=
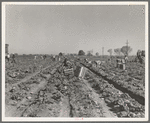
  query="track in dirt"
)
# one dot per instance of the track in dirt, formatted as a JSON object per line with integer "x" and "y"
{"x": 138, "y": 98}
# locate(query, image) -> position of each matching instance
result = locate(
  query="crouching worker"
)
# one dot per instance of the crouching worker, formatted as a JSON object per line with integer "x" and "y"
{"x": 68, "y": 68}
{"x": 44, "y": 57}
{"x": 67, "y": 64}
{"x": 85, "y": 60}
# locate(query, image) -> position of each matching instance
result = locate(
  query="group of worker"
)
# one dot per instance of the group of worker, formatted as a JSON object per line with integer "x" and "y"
{"x": 140, "y": 56}
{"x": 98, "y": 63}
{"x": 58, "y": 58}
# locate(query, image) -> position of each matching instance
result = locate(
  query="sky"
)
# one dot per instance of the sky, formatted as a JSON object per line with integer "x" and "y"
{"x": 50, "y": 29}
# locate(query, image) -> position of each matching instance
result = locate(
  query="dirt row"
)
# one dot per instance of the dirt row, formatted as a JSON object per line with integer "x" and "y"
{"x": 21, "y": 95}
{"x": 118, "y": 102}
{"x": 52, "y": 94}
{"x": 119, "y": 86}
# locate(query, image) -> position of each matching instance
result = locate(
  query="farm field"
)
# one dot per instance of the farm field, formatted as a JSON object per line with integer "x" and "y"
{"x": 75, "y": 61}
{"x": 132, "y": 79}
{"x": 39, "y": 88}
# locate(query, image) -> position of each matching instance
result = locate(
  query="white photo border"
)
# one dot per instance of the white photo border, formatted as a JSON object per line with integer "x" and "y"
{"x": 76, "y": 119}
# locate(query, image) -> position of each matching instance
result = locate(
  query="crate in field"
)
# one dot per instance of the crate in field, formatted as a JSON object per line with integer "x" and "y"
{"x": 122, "y": 66}
{"x": 68, "y": 71}
{"x": 118, "y": 65}
{"x": 80, "y": 72}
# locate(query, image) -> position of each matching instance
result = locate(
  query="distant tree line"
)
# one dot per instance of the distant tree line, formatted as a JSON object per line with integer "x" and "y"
{"x": 125, "y": 50}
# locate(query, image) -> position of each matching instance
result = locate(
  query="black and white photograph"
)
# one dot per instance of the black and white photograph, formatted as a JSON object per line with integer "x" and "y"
{"x": 75, "y": 61}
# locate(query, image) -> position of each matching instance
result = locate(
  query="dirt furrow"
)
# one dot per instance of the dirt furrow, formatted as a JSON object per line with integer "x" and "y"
{"x": 138, "y": 98}
{"x": 65, "y": 107}
{"x": 14, "y": 112}
{"x": 32, "y": 75}
{"x": 99, "y": 101}
{"x": 117, "y": 102}
{"x": 20, "y": 107}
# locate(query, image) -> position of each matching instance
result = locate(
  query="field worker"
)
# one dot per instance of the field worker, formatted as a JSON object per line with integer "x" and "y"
{"x": 7, "y": 57}
{"x": 44, "y": 57}
{"x": 41, "y": 57}
{"x": 13, "y": 58}
{"x": 65, "y": 62}
{"x": 98, "y": 63}
{"x": 35, "y": 57}
{"x": 54, "y": 58}
{"x": 59, "y": 59}
{"x": 126, "y": 59}
{"x": 86, "y": 60}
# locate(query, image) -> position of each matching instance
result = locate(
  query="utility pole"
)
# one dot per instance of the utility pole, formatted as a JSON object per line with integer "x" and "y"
{"x": 127, "y": 47}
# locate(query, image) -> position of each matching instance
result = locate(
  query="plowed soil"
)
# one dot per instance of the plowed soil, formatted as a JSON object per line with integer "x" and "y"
{"x": 49, "y": 93}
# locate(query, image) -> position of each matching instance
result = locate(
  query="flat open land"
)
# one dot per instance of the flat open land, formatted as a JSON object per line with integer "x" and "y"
{"x": 39, "y": 88}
